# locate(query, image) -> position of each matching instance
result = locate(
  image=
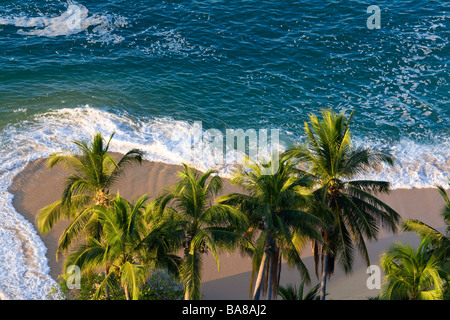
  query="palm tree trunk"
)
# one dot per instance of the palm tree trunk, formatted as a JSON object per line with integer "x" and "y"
{"x": 274, "y": 273}
{"x": 270, "y": 271}
{"x": 280, "y": 258}
{"x": 127, "y": 294}
{"x": 262, "y": 270}
{"x": 324, "y": 277}
{"x": 108, "y": 296}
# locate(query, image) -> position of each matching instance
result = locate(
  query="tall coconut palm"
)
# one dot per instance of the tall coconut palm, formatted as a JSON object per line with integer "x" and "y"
{"x": 93, "y": 173}
{"x": 411, "y": 274}
{"x": 351, "y": 209}
{"x": 129, "y": 248}
{"x": 204, "y": 226}
{"x": 273, "y": 204}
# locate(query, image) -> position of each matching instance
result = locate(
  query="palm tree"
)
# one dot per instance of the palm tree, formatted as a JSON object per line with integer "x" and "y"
{"x": 349, "y": 207}
{"x": 93, "y": 173}
{"x": 129, "y": 249}
{"x": 411, "y": 274}
{"x": 273, "y": 205}
{"x": 439, "y": 241}
{"x": 290, "y": 292}
{"x": 204, "y": 226}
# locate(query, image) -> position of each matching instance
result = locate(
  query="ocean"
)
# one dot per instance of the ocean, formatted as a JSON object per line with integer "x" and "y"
{"x": 148, "y": 70}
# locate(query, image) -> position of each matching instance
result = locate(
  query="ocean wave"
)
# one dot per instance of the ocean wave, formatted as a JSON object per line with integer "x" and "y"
{"x": 24, "y": 271}
{"x": 418, "y": 163}
{"x": 75, "y": 19}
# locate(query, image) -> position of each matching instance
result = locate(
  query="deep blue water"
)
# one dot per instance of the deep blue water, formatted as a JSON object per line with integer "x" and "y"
{"x": 232, "y": 64}
{"x": 148, "y": 69}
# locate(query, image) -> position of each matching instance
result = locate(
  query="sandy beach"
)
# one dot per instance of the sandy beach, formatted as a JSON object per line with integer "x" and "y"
{"x": 37, "y": 186}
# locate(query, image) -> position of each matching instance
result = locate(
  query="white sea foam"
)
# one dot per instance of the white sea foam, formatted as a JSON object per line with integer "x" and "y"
{"x": 24, "y": 268}
{"x": 75, "y": 19}
{"x": 416, "y": 164}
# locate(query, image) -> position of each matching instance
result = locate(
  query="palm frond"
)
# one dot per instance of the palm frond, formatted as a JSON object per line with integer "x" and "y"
{"x": 410, "y": 273}
{"x": 423, "y": 230}
{"x": 55, "y": 212}
{"x": 76, "y": 185}
{"x": 74, "y": 229}
{"x": 133, "y": 277}
{"x": 118, "y": 169}
{"x": 190, "y": 273}
{"x": 446, "y": 209}
{"x": 345, "y": 245}
{"x": 69, "y": 161}
{"x": 383, "y": 212}
{"x": 86, "y": 257}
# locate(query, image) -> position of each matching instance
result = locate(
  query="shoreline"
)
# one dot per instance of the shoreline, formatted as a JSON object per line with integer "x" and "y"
{"x": 37, "y": 186}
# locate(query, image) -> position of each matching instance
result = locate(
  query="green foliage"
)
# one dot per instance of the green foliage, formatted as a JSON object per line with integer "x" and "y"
{"x": 411, "y": 274}
{"x": 349, "y": 208}
{"x": 125, "y": 250}
{"x": 88, "y": 285}
{"x": 439, "y": 244}
{"x": 279, "y": 226}
{"x": 312, "y": 197}
{"x": 92, "y": 173}
{"x": 160, "y": 286}
{"x": 290, "y": 292}
{"x": 202, "y": 227}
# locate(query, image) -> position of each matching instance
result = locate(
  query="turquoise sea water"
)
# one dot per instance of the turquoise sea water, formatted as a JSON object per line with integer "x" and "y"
{"x": 148, "y": 69}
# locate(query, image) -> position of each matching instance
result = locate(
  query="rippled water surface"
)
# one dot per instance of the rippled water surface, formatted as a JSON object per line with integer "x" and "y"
{"x": 148, "y": 69}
